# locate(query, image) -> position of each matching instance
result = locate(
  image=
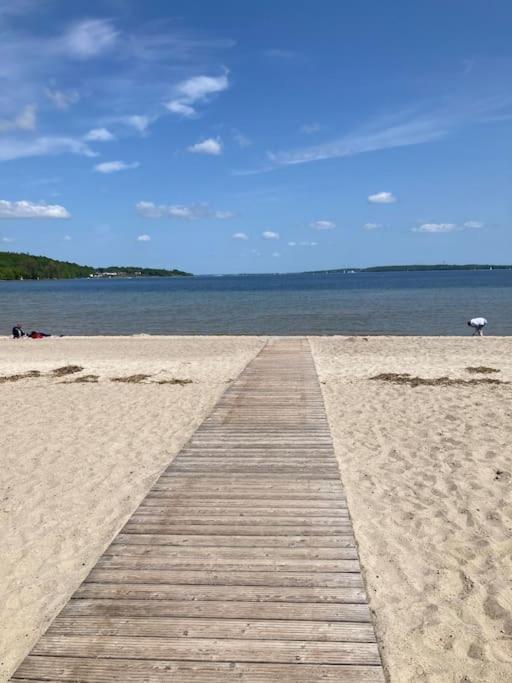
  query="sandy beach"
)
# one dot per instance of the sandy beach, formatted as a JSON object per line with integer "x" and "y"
{"x": 77, "y": 457}
{"x": 427, "y": 473}
{"x": 425, "y": 463}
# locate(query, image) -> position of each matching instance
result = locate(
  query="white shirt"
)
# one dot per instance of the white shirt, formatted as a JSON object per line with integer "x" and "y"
{"x": 478, "y": 322}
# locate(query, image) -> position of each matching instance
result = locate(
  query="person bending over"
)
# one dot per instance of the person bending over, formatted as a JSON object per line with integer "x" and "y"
{"x": 478, "y": 325}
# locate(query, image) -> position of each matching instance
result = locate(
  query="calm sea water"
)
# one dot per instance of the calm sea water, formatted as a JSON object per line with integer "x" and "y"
{"x": 429, "y": 303}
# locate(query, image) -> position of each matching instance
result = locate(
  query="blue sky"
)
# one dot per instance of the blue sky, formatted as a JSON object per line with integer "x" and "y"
{"x": 229, "y": 136}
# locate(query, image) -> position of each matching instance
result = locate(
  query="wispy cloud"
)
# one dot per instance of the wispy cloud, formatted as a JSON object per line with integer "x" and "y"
{"x": 88, "y": 39}
{"x": 240, "y": 236}
{"x": 99, "y": 135}
{"x": 210, "y": 146}
{"x": 115, "y": 166}
{"x": 62, "y": 99}
{"x": 16, "y": 148}
{"x": 144, "y": 238}
{"x": 25, "y": 209}
{"x": 118, "y": 67}
{"x": 25, "y": 120}
{"x": 425, "y": 122}
{"x": 447, "y": 227}
{"x": 436, "y": 227}
{"x": 372, "y": 226}
{"x": 7, "y": 240}
{"x": 411, "y": 132}
{"x": 382, "y": 198}
{"x": 303, "y": 243}
{"x": 322, "y": 225}
{"x": 241, "y": 139}
{"x": 196, "y": 90}
{"x": 270, "y": 235}
{"x": 190, "y": 213}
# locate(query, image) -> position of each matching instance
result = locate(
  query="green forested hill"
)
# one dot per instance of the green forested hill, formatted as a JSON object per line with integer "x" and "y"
{"x": 14, "y": 266}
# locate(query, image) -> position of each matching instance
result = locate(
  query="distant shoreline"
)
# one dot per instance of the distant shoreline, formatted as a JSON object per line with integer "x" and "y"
{"x": 414, "y": 268}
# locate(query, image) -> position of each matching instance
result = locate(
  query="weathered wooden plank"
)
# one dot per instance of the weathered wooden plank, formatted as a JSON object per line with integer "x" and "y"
{"x": 222, "y": 650}
{"x": 297, "y": 502}
{"x": 217, "y": 608}
{"x": 140, "y": 527}
{"x": 212, "y": 564}
{"x": 221, "y": 553}
{"x": 154, "y": 591}
{"x": 237, "y": 541}
{"x": 98, "y": 670}
{"x": 168, "y": 508}
{"x": 224, "y": 578}
{"x": 169, "y": 517}
{"x": 175, "y": 627}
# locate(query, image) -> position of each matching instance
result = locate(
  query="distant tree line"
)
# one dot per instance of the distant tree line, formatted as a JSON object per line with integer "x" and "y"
{"x": 413, "y": 268}
{"x": 15, "y": 266}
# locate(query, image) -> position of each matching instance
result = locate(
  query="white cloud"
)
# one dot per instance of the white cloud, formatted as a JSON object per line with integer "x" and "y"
{"x": 177, "y": 107}
{"x": 25, "y": 120}
{"x": 7, "y": 240}
{"x": 152, "y": 210}
{"x": 240, "y": 236}
{"x": 308, "y": 244}
{"x": 68, "y": 238}
{"x": 199, "y": 87}
{"x": 276, "y": 254}
{"x": 292, "y": 244}
{"x": 195, "y": 90}
{"x": 447, "y": 227}
{"x": 208, "y": 146}
{"x": 372, "y": 226}
{"x": 14, "y": 148}
{"x": 382, "y": 198}
{"x": 89, "y": 38}
{"x": 114, "y": 166}
{"x": 99, "y": 135}
{"x": 322, "y": 225}
{"x": 270, "y": 235}
{"x": 144, "y": 238}
{"x": 24, "y": 209}
{"x": 399, "y": 132}
{"x": 138, "y": 122}
{"x": 62, "y": 100}
{"x": 436, "y": 227}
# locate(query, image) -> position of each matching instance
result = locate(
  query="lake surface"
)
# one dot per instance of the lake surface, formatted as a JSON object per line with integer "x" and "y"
{"x": 421, "y": 303}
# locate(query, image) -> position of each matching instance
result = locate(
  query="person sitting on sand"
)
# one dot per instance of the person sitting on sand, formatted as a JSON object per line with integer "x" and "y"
{"x": 17, "y": 332}
{"x": 478, "y": 325}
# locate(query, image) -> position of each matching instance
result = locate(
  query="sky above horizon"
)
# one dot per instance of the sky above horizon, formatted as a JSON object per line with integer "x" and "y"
{"x": 260, "y": 136}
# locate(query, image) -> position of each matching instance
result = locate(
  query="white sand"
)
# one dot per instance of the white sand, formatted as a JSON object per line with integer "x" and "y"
{"x": 76, "y": 459}
{"x": 432, "y": 516}
{"x": 427, "y": 472}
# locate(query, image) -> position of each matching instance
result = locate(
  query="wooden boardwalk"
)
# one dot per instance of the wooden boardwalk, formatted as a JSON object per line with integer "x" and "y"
{"x": 240, "y": 563}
